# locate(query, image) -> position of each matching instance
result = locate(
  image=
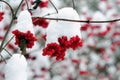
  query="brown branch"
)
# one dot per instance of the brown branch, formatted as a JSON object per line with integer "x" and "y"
{"x": 27, "y": 4}
{"x": 82, "y": 21}
{"x": 13, "y": 17}
{"x": 9, "y": 6}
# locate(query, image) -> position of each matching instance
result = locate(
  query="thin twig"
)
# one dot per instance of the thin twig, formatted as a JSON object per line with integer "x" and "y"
{"x": 8, "y": 42}
{"x": 13, "y": 17}
{"x": 5, "y": 49}
{"x": 82, "y": 21}
{"x": 53, "y": 6}
{"x": 18, "y": 7}
{"x": 8, "y": 52}
{"x": 6, "y": 35}
{"x": 2, "y": 58}
{"x": 12, "y": 11}
{"x": 73, "y": 4}
{"x": 9, "y": 25}
{"x": 27, "y": 4}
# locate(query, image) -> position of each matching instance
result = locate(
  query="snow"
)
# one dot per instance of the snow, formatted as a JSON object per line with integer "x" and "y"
{"x": 99, "y": 16}
{"x": 14, "y": 3}
{"x": 16, "y": 68}
{"x": 60, "y": 28}
{"x": 24, "y": 22}
{"x": 98, "y": 51}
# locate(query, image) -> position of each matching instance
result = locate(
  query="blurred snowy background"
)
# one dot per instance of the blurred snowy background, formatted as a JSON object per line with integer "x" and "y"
{"x": 98, "y": 59}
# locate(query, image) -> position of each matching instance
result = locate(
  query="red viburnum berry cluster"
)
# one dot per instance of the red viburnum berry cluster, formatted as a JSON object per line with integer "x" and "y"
{"x": 1, "y": 16}
{"x": 58, "y": 50}
{"x": 28, "y": 36}
{"x": 52, "y": 50}
{"x": 40, "y": 22}
{"x": 43, "y": 4}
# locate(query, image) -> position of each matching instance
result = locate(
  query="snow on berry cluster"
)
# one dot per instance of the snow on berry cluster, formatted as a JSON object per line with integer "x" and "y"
{"x": 97, "y": 59}
{"x": 65, "y": 35}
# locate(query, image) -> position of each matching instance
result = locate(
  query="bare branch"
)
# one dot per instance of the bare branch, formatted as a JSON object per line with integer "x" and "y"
{"x": 82, "y": 21}
{"x": 27, "y": 4}
{"x": 12, "y": 11}
{"x": 53, "y": 6}
{"x": 73, "y": 4}
{"x": 13, "y": 17}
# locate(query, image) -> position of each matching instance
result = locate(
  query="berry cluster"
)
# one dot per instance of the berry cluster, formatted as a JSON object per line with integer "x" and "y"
{"x": 58, "y": 50}
{"x": 40, "y": 22}
{"x": 28, "y": 36}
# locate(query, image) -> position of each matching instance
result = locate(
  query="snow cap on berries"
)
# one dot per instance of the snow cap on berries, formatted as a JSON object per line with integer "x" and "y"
{"x": 62, "y": 35}
{"x": 24, "y": 22}
{"x": 24, "y": 30}
{"x": 16, "y": 68}
{"x": 69, "y": 28}
{"x": 60, "y": 28}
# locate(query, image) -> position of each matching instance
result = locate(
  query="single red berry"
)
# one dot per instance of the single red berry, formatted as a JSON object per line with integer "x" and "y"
{"x": 1, "y": 16}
